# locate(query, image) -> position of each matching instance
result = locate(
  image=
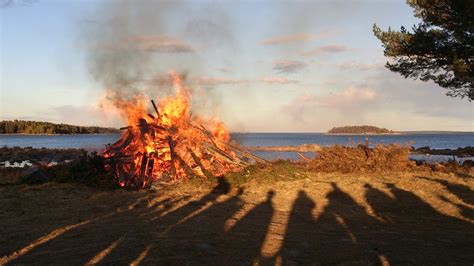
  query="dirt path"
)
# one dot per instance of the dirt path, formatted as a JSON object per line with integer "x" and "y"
{"x": 415, "y": 218}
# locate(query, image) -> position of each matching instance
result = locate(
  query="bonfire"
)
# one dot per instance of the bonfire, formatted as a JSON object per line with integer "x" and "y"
{"x": 171, "y": 144}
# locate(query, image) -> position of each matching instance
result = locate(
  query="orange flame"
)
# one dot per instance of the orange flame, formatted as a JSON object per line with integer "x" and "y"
{"x": 169, "y": 142}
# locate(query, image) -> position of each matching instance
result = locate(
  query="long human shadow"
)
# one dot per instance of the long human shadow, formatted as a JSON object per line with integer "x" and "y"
{"x": 413, "y": 232}
{"x": 336, "y": 236}
{"x": 466, "y": 211}
{"x": 191, "y": 234}
{"x": 195, "y": 233}
{"x": 85, "y": 242}
{"x": 54, "y": 225}
{"x": 208, "y": 242}
{"x": 405, "y": 230}
{"x": 402, "y": 230}
{"x": 248, "y": 234}
{"x": 464, "y": 193}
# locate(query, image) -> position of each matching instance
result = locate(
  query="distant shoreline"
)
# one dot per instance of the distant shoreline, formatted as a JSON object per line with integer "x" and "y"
{"x": 364, "y": 134}
{"x": 64, "y": 134}
{"x": 49, "y": 128}
{"x": 322, "y": 133}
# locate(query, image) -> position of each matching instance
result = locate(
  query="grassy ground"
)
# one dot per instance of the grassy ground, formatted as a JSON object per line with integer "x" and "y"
{"x": 279, "y": 214}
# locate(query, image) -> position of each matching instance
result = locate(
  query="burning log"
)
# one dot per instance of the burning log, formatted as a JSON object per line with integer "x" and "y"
{"x": 172, "y": 156}
{"x": 154, "y": 107}
{"x": 199, "y": 163}
{"x": 171, "y": 145}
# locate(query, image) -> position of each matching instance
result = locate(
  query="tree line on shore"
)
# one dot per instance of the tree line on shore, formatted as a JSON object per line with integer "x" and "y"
{"x": 36, "y": 127}
{"x": 359, "y": 130}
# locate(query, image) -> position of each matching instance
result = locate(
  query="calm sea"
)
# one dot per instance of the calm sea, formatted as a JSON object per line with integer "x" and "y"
{"x": 97, "y": 142}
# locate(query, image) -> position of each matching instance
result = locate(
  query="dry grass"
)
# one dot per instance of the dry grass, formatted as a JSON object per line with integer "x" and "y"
{"x": 362, "y": 159}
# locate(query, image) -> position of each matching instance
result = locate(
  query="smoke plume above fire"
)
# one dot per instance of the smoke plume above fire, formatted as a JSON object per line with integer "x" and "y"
{"x": 131, "y": 47}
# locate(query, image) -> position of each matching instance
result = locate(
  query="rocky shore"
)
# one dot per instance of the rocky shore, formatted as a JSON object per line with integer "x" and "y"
{"x": 459, "y": 152}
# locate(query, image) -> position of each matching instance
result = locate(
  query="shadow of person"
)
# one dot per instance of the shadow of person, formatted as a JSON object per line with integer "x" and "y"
{"x": 244, "y": 240}
{"x": 78, "y": 244}
{"x": 466, "y": 212}
{"x": 298, "y": 244}
{"x": 222, "y": 188}
{"x": 336, "y": 236}
{"x": 123, "y": 235}
{"x": 381, "y": 203}
{"x": 464, "y": 193}
{"x": 182, "y": 223}
{"x": 193, "y": 230}
{"x": 414, "y": 232}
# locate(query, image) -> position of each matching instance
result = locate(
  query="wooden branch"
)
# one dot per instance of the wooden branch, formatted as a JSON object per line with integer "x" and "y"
{"x": 199, "y": 163}
{"x": 172, "y": 166}
{"x": 216, "y": 150}
{"x": 187, "y": 168}
{"x": 303, "y": 157}
{"x": 300, "y": 148}
{"x": 123, "y": 142}
{"x": 154, "y": 107}
{"x": 245, "y": 153}
{"x": 242, "y": 151}
{"x": 223, "y": 156}
{"x": 143, "y": 168}
{"x": 227, "y": 144}
{"x": 149, "y": 172}
{"x": 142, "y": 125}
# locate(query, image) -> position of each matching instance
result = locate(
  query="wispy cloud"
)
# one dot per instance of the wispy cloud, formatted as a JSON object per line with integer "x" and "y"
{"x": 277, "y": 80}
{"x": 353, "y": 65}
{"x": 327, "y": 49}
{"x": 288, "y": 39}
{"x": 289, "y": 66}
{"x": 162, "y": 44}
{"x": 150, "y": 43}
{"x": 350, "y": 96}
{"x": 302, "y": 37}
{"x": 164, "y": 81}
{"x": 351, "y": 104}
{"x": 215, "y": 81}
{"x": 224, "y": 69}
{"x": 12, "y": 3}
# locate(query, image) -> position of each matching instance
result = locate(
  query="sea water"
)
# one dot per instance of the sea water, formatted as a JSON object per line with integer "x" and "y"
{"x": 97, "y": 142}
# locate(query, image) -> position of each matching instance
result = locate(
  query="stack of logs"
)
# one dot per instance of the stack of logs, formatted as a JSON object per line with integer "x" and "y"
{"x": 152, "y": 150}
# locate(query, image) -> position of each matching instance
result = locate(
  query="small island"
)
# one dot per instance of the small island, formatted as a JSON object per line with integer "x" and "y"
{"x": 48, "y": 128}
{"x": 364, "y": 129}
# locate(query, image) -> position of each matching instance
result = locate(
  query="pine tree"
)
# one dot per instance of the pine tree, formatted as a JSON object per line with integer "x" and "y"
{"x": 440, "y": 48}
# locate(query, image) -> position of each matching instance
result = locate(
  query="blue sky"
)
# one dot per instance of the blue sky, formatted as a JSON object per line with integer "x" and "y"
{"x": 268, "y": 66}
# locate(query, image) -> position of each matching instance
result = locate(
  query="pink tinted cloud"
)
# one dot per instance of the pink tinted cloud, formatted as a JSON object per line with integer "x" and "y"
{"x": 149, "y": 43}
{"x": 353, "y": 65}
{"x": 302, "y": 37}
{"x": 327, "y": 49}
{"x": 288, "y": 39}
{"x": 162, "y": 44}
{"x": 351, "y": 96}
{"x": 289, "y": 66}
{"x": 215, "y": 81}
{"x": 277, "y": 80}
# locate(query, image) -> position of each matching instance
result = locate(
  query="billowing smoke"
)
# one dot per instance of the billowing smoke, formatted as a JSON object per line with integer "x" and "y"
{"x": 123, "y": 39}
{"x": 132, "y": 45}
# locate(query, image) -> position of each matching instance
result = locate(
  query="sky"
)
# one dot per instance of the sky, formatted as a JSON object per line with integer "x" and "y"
{"x": 260, "y": 66}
